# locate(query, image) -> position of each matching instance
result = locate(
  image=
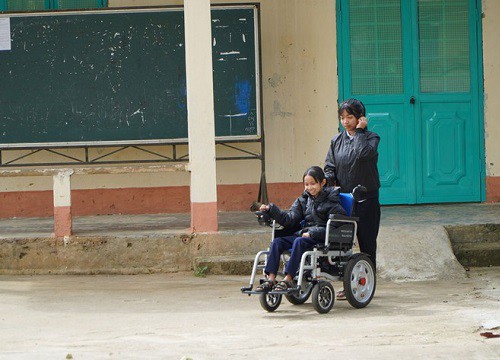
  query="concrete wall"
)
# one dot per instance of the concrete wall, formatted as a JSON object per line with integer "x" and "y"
{"x": 491, "y": 61}
{"x": 299, "y": 84}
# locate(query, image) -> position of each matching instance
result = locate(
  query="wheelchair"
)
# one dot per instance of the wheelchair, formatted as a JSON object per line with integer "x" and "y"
{"x": 330, "y": 261}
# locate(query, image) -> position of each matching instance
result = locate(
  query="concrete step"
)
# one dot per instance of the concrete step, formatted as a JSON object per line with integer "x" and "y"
{"x": 478, "y": 255}
{"x": 476, "y": 245}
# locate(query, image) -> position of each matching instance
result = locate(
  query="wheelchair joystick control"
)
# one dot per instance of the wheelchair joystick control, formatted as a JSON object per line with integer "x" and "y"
{"x": 263, "y": 218}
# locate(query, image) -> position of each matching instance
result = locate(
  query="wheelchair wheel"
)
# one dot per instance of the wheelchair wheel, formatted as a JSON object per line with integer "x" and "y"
{"x": 323, "y": 297}
{"x": 302, "y": 296}
{"x": 270, "y": 302}
{"x": 359, "y": 281}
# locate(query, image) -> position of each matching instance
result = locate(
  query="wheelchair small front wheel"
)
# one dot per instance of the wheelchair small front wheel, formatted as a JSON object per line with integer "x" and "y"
{"x": 323, "y": 297}
{"x": 270, "y": 302}
{"x": 359, "y": 281}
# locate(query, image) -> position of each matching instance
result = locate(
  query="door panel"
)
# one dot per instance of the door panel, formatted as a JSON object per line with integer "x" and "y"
{"x": 448, "y": 170}
{"x": 389, "y": 122}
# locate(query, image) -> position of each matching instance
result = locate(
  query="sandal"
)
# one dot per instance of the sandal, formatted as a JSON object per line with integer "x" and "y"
{"x": 282, "y": 286}
{"x": 266, "y": 286}
{"x": 341, "y": 295}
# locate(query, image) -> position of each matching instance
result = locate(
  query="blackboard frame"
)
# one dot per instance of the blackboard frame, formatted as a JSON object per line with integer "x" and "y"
{"x": 258, "y": 137}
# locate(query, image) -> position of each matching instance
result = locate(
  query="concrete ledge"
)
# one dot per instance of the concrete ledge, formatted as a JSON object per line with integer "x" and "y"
{"x": 405, "y": 253}
{"x": 474, "y": 233}
{"x": 410, "y": 245}
{"x": 125, "y": 254}
{"x": 93, "y": 255}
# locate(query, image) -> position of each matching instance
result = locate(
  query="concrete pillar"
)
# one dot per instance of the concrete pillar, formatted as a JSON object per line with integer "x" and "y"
{"x": 200, "y": 109}
{"x": 63, "y": 222}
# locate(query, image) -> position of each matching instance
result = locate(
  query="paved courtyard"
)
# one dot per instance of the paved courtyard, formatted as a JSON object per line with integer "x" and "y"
{"x": 180, "y": 316}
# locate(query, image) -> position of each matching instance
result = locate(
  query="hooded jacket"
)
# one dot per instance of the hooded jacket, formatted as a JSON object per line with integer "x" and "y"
{"x": 314, "y": 211}
{"x": 352, "y": 162}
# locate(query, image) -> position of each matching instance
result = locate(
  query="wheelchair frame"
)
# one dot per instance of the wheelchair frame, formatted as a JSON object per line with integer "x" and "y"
{"x": 324, "y": 263}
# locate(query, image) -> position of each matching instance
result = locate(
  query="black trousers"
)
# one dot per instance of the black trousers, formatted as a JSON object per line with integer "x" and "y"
{"x": 368, "y": 212}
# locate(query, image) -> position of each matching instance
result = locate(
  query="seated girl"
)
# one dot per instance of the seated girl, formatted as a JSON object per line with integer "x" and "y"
{"x": 314, "y": 207}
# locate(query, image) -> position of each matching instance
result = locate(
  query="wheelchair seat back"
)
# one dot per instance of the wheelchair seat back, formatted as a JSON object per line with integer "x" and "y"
{"x": 342, "y": 237}
{"x": 347, "y": 202}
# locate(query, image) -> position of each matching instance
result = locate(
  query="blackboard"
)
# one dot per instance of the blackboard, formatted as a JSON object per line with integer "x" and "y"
{"x": 120, "y": 77}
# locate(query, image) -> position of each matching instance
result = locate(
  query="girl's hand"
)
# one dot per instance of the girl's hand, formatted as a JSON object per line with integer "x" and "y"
{"x": 362, "y": 123}
{"x": 306, "y": 235}
{"x": 264, "y": 207}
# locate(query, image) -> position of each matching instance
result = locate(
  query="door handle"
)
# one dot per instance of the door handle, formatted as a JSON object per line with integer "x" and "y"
{"x": 412, "y": 100}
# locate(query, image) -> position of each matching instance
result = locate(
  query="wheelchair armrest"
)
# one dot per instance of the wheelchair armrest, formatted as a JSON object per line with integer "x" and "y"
{"x": 340, "y": 217}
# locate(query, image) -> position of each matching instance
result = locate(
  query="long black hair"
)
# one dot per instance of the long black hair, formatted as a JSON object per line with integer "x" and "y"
{"x": 352, "y": 107}
{"x": 316, "y": 173}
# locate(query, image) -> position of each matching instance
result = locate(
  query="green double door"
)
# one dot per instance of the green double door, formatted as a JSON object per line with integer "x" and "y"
{"x": 416, "y": 65}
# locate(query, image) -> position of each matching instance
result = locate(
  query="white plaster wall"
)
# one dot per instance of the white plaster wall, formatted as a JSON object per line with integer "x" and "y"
{"x": 299, "y": 85}
{"x": 491, "y": 61}
{"x": 299, "y": 98}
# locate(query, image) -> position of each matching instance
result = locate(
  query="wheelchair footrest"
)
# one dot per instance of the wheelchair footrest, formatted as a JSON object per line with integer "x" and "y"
{"x": 290, "y": 290}
{"x": 250, "y": 291}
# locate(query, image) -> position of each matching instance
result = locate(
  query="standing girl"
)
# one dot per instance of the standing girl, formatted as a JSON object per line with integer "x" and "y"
{"x": 351, "y": 161}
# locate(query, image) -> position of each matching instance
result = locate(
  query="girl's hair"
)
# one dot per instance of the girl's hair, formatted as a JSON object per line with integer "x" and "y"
{"x": 352, "y": 107}
{"x": 316, "y": 173}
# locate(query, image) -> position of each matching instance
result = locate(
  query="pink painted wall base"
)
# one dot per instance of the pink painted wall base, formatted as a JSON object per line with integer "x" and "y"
{"x": 161, "y": 200}
{"x": 63, "y": 222}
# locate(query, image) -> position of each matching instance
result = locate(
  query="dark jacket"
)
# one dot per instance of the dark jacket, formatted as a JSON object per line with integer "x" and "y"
{"x": 314, "y": 212}
{"x": 352, "y": 162}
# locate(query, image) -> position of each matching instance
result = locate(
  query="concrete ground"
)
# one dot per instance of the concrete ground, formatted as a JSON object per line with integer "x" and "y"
{"x": 180, "y": 316}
